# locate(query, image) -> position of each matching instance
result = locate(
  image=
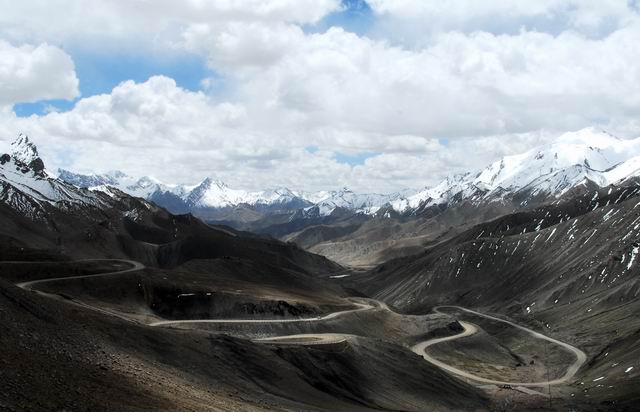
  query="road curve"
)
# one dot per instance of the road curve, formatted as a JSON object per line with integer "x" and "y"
{"x": 135, "y": 266}
{"x": 301, "y": 339}
{"x": 361, "y": 307}
{"x": 329, "y": 338}
{"x": 306, "y": 339}
{"x": 470, "y": 329}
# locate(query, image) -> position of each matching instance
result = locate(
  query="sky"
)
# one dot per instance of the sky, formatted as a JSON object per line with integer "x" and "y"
{"x": 376, "y": 95}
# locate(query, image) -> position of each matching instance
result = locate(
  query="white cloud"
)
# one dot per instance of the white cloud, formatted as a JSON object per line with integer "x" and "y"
{"x": 31, "y": 73}
{"x": 127, "y": 23}
{"x": 410, "y": 19}
{"x": 238, "y": 45}
{"x": 462, "y": 85}
{"x": 486, "y": 76}
{"x": 154, "y": 113}
{"x": 178, "y": 135}
{"x": 160, "y": 129}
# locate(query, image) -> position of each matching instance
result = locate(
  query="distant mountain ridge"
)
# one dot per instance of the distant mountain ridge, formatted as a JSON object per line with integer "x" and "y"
{"x": 213, "y": 194}
{"x": 585, "y": 157}
{"x": 346, "y": 226}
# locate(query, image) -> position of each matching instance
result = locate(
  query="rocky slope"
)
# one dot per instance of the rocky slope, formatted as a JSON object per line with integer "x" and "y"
{"x": 57, "y": 357}
{"x": 48, "y": 213}
{"x": 569, "y": 268}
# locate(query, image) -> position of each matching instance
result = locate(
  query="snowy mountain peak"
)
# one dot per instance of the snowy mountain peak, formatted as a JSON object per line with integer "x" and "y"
{"x": 281, "y": 191}
{"x": 147, "y": 181}
{"x": 26, "y": 187}
{"x": 139, "y": 187}
{"x": 591, "y": 137}
{"x": 24, "y": 150}
{"x": 209, "y": 182}
{"x": 85, "y": 181}
{"x": 25, "y": 154}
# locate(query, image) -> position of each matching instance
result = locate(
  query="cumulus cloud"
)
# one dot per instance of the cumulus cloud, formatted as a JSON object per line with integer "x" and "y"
{"x": 157, "y": 128}
{"x": 412, "y": 20}
{"x": 178, "y": 135}
{"x": 31, "y": 73}
{"x": 240, "y": 45}
{"x": 430, "y": 83}
{"x": 155, "y": 113}
{"x": 126, "y": 22}
{"x": 462, "y": 85}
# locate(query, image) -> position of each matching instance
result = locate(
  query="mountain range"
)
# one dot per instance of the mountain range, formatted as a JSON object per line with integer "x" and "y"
{"x": 586, "y": 157}
{"x": 338, "y": 223}
{"x": 212, "y": 195}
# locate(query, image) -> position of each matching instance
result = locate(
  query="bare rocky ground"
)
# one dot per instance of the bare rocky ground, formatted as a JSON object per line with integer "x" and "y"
{"x": 568, "y": 270}
{"x": 158, "y": 294}
{"x": 502, "y": 352}
{"x": 60, "y": 356}
{"x": 87, "y": 344}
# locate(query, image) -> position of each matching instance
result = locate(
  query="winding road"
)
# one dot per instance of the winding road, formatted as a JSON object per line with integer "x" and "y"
{"x": 331, "y": 338}
{"x": 135, "y": 266}
{"x": 361, "y": 307}
{"x": 470, "y": 329}
{"x": 307, "y": 339}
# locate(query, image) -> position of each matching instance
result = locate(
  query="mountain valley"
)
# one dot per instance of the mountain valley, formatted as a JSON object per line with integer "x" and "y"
{"x": 518, "y": 286}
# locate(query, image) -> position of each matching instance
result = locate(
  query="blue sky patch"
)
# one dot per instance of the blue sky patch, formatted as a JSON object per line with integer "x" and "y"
{"x": 42, "y": 107}
{"x": 353, "y": 160}
{"x": 356, "y": 17}
{"x": 100, "y": 73}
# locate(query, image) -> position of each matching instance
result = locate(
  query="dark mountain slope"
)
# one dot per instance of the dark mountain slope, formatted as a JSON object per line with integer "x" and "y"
{"x": 569, "y": 269}
{"x": 47, "y": 213}
{"x": 90, "y": 342}
{"x": 56, "y": 356}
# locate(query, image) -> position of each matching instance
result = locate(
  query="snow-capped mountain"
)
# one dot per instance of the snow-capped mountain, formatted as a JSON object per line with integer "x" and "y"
{"x": 208, "y": 194}
{"x": 25, "y": 153}
{"x": 588, "y": 156}
{"x": 367, "y": 203}
{"x": 29, "y": 190}
{"x": 140, "y": 187}
{"x": 216, "y": 194}
{"x": 22, "y": 172}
